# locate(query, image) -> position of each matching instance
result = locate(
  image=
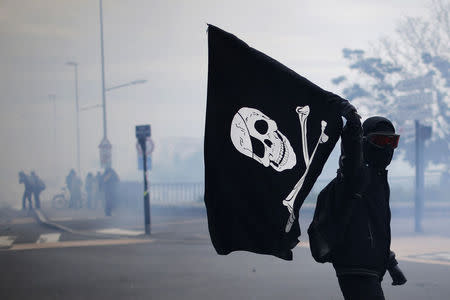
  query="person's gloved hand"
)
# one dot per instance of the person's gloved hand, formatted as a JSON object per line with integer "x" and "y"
{"x": 397, "y": 275}
{"x": 352, "y": 116}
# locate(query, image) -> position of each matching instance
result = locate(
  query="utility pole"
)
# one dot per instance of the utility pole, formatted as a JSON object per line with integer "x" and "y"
{"x": 77, "y": 108}
{"x": 103, "y": 72}
{"x": 105, "y": 146}
{"x": 52, "y": 98}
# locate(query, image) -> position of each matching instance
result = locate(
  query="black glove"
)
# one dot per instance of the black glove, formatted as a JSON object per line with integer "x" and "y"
{"x": 342, "y": 105}
{"x": 351, "y": 115}
{"x": 397, "y": 275}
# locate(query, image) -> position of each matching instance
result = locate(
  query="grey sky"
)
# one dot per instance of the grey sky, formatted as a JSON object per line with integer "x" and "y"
{"x": 163, "y": 42}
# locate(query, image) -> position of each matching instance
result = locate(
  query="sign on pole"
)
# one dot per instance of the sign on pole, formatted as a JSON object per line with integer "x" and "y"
{"x": 105, "y": 153}
{"x": 149, "y": 149}
{"x": 143, "y": 131}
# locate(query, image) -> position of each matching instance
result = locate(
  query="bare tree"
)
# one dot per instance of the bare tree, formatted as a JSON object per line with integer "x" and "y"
{"x": 407, "y": 78}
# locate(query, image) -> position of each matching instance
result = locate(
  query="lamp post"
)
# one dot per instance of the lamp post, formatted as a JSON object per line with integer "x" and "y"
{"x": 105, "y": 146}
{"x": 103, "y": 72}
{"x": 139, "y": 81}
{"x": 52, "y": 98}
{"x": 75, "y": 65}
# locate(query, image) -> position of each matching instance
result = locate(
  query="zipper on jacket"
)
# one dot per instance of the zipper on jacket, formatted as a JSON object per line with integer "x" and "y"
{"x": 370, "y": 234}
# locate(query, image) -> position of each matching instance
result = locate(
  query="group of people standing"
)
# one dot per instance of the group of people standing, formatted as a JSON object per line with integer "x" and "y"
{"x": 33, "y": 187}
{"x": 101, "y": 188}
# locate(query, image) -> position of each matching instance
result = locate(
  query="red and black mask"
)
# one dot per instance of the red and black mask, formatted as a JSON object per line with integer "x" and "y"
{"x": 379, "y": 142}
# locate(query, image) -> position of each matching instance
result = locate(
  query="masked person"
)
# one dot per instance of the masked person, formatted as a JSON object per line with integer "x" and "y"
{"x": 363, "y": 255}
{"x": 110, "y": 187}
{"x": 23, "y": 178}
{"x": 89, "y": 187}
{"x": 37, "y": 187}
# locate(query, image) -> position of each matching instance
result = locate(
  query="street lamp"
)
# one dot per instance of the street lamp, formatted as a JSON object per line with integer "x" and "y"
{"x": 105, "y": 146}
{"x": 75, "y": 65}
{"x": 134, "y": 82}
{"x": 139, "y": 81}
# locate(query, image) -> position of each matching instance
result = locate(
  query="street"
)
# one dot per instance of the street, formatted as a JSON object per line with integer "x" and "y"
{"x": 178, "y": 261}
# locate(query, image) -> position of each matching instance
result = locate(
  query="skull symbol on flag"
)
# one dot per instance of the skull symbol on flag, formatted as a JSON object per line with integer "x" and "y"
{"x": 257, "y": 136}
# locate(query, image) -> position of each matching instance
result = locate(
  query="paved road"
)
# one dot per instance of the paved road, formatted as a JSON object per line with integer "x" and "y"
{"x": 178, "y": 262}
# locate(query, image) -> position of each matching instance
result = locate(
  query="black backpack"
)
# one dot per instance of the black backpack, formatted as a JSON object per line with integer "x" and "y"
{"x": 330, "y": 220}
{"x": 40, "y": 184}
{"x": 321, "y": 231}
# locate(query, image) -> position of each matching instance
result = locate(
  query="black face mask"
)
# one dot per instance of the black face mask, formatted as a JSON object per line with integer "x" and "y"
{"x": 374, "y": 156}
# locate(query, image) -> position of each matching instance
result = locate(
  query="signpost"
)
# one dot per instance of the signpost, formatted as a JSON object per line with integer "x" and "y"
{"x": 143, "y": 132}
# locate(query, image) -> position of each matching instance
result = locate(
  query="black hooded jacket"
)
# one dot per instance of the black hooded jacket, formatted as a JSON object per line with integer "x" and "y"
{"x": 364, "y": 247}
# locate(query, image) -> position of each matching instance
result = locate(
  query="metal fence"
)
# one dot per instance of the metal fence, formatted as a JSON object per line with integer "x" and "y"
{"x": 191, "y": 193}
{"x": 177, "y": 193}
{"x": 162, "y": 194}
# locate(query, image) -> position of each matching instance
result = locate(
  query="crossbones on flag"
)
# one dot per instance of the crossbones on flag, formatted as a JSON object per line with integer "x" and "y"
{"x": 268, "y": 134}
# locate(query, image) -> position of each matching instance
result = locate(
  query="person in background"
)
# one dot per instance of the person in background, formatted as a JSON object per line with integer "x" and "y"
{"x": 23, "y": 178}
{"x": 69, "y": 179}
{"x": 76, "y": 191}
{"x": 37, "y": 186}
{"x": 89, "y": 187}
{"x": 74, "y": 184}
{"x": 98, "y": 193}
{"x": 110, "y": 187}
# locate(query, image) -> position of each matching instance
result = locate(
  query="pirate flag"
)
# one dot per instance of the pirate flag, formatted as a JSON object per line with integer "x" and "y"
{"x": 268, "y": 134}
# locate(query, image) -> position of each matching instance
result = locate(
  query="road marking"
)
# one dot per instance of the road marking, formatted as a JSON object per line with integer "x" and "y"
{"x": 48, "y": 238}
{"x": 422, "y": 249}
{"x": 440, "y": 258}
{"x": 82, "y": 243}
{"x": 443, "y": 256}
{"x": 6, "y": 241}
{"x": 118, "y": 231}
{"x": 424, "y": 261}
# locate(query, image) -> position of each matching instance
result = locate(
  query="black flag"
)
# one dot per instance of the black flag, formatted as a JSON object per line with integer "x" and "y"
{"x": 269, "y": 132}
